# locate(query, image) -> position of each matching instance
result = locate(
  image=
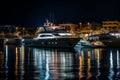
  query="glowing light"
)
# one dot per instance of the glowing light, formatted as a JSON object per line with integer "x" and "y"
{"x": 111, "y": 60}
{"x": 16, "y": 63}
{"x": 118, "y": 63}
{"x": 89, "y": 67}
{"x": 6, "y": 62}
{"x": 111, "y": 72}
{"x": 80, "y": 67}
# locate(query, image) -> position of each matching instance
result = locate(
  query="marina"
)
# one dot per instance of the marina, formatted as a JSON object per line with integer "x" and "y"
{"x": 53, "y": 54}
{"x": 59, "y": 40}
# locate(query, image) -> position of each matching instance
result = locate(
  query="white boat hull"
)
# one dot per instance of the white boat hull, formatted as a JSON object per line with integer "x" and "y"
{"x": 55, "y": 42}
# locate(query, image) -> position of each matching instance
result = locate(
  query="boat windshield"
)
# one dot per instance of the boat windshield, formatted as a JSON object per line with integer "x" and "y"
{"x": 45, "y": 35}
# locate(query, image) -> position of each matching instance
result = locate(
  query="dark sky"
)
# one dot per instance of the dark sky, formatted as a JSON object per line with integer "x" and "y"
{"x": 34, "y": 12}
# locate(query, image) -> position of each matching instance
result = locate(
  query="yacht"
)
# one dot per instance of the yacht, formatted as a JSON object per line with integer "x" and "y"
{"x": 12, "y": 39}
{"x": 53, "y": 36}
{"x": 104, "y": 40}
{"x": 55, "y": 39}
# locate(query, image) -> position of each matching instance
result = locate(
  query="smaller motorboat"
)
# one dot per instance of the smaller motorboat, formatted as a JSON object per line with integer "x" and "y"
{"x": 84, "y": 43}
{"x": 26, "y": 40}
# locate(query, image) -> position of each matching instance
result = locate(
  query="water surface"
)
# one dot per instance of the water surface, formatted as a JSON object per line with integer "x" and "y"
{"x": 28, "y": 63}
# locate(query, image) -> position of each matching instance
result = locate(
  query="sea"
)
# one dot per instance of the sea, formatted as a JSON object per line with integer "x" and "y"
{"x": 21, "y": 62}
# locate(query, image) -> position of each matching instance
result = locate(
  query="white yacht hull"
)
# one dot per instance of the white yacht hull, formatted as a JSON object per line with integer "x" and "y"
{"x": 55, "y": 42}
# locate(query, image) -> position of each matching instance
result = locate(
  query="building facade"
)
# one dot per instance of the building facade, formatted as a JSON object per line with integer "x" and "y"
{"x": 70, "y": 27}
{"x": 111, "y": 25}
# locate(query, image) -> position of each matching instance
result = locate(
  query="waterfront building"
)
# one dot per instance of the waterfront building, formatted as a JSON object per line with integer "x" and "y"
{"x": 89, "y": 28}
{"x": 84, "y": 30}
{"x": 111, "y": 25}
{"x": 70, "y": 27}
{"x": 7, "y": 29}
{"x": 26, "y": 31}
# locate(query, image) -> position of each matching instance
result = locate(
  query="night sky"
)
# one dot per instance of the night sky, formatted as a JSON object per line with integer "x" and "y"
{"x": 35, "y": 12}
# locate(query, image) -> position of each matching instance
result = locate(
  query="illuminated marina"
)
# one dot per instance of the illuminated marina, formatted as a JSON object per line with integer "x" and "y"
{"x": 88, "y": 50}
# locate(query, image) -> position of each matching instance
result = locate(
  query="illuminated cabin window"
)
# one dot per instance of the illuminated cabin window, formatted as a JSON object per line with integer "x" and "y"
{"x": 45, "y": 35}
{"x": 55, "y": 42}
{"x": 42, "y": 42}
{"x": 52, "y": 42}
{"x": 48, "y": 42}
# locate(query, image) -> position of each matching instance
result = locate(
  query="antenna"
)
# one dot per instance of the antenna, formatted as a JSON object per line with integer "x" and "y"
{"x": 51, "y": 17}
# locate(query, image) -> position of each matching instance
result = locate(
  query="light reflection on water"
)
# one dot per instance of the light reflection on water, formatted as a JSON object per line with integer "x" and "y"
{"x": 24, "y": 63}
